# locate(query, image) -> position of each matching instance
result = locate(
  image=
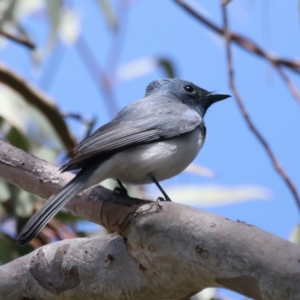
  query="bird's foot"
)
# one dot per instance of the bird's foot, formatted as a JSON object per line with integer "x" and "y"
{"x": 120, "y": 191}
{"x": 160, "y": 199}
{"x": 164, "y": 199}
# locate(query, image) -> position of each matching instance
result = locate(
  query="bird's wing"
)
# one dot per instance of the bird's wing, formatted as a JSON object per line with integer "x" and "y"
{"x": 134, "y": 126}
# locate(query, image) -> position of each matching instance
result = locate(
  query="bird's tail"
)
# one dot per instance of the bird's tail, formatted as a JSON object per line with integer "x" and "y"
{"x": 52, "y": 206}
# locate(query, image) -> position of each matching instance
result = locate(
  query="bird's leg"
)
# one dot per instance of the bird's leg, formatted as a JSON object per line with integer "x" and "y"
{"x": 167, "y": 198}
{"x": 121, "y": 189}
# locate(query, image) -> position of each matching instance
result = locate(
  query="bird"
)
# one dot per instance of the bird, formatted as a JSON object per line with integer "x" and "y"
{"x": 150, "y": 140}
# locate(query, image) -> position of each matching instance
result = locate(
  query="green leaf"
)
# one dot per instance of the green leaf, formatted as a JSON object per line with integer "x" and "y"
{"x": 143, "y": 66}
{"x": 2, "y": 211}
{"x": 12, "y": 11}
{"x": 167, "y": 67}
{"x": 41, "y": 131}
{"x": 27, "y": 120}
{"x": 15, "y": 137}
{"x": 295, "y": 235}
{"x": 47, "y": 154}
{"x": 69, "y": 29}
{"x": 214, "y": 195}
{"x": 13, "y": 109}
{"x": 8, "y": 252}
{"x": 24, "y": 204}
{"x": 108, "y": 13}
{"x": 4, "y": 191}
{"x": 67, "y": 217}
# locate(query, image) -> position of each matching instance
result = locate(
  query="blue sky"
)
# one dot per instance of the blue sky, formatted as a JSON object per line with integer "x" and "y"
{"x": 165, "y": 30}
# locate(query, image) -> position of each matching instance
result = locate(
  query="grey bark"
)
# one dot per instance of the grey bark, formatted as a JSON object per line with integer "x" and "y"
{"x": 160, "y": 250}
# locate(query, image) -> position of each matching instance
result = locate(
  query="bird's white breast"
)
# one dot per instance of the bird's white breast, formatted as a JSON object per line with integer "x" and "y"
{"x": 163, "y": 159}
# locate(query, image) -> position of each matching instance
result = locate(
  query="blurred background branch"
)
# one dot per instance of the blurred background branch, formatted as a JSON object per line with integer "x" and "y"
{"x": 18, "y": 39}
{"x": 247, "y": 118}
{"x": 250, "y": 46}
{"x": 41, "y": 101}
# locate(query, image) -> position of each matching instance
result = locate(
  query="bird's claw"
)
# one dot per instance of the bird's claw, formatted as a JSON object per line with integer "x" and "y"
{"x": 120, "y": 191}
{"x": 160, "y": 199}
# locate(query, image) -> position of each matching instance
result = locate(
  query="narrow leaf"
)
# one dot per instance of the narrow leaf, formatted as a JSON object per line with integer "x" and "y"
{"x": 200, "y": 170}
{"x": 108, "y": 13}
{"x": 143, "y": 66}
{"x": 295, "y": 236}
{"x": 214, "y": 195}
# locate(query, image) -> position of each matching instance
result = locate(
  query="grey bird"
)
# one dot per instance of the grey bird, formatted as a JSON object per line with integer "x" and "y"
{"x": 150, "y": 140}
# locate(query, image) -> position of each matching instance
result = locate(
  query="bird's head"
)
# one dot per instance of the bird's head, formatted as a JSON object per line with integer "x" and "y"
{"x": 186, "y": 92}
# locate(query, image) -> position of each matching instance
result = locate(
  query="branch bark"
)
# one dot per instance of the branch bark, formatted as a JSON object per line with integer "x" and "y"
{"x": 161, "y": 250}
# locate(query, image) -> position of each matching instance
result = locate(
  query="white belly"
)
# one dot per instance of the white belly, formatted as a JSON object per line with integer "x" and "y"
{"x": 163, "y": 159}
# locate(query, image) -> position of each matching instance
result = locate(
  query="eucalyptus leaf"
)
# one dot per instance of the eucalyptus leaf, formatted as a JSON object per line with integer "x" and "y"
{"x": 24, "y": 8}
{"x": 27, "y": 119}
{"x": 8, "y": 250}
{"x": 4, "y": 191}
{"x": 168, "y": 67}
{"x": 206, "y": 294}
{"x": 2, "y": 211}
{"x": 12, "y": 11}
{"x": 143, "y": 66}
{"x": 41, "y": 131}
{"x": 18, "y": 139}
{"x": 24, "y": 204}
{"x": 13, "y": 109}
{"x": 48, "y": 154}
{"x": 111, "y": 19}
{"x": 69, "y": 29}
{"x": 295, "y": 235}
{"x": 215, "y": 195}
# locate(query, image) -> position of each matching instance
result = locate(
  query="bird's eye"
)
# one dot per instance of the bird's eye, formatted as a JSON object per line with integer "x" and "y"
{"x": 189, "y": 89}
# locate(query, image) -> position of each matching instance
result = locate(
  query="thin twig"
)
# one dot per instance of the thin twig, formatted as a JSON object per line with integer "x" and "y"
{"x": 18, "y": 39}
{"x": 117, "y": 41}
{"x": 101, "y": 80}
{"x": 88, "y": 123}
{"x": 248, "y": 120}
{"x": 241, "y": 41}
{"x": 250, "y": 46}
{"x": 289, "y": 83}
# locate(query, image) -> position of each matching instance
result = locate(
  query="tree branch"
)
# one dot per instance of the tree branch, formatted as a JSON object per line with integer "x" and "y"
{"x": 41, "y": 101}
{"x": 158, "y": 240}
{"x": 250, "y": 46}
{"x": 248, "y": 120}
{"x": 239, "y": 40}
{"x": 18, "y": 39}
{"x": 101, "y": 79}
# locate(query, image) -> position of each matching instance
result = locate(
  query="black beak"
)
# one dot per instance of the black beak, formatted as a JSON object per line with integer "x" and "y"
{"x": 213, "y": 98}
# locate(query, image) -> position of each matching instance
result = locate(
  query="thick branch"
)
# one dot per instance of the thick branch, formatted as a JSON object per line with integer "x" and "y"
{"x": 41, "y": 101}
{"x": 170, "y": 251}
